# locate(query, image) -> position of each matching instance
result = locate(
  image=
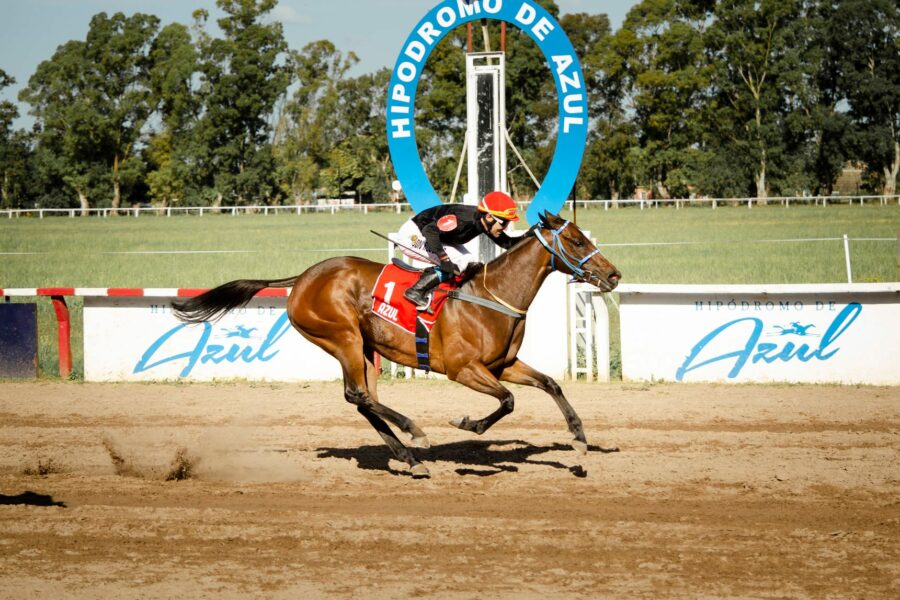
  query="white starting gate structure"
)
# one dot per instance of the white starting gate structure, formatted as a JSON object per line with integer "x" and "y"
{"x": 485, "y": 133}
{"x": 588, "y": 333}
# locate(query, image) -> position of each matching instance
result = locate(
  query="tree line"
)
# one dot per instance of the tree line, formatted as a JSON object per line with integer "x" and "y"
{"x": 725, "y": 98}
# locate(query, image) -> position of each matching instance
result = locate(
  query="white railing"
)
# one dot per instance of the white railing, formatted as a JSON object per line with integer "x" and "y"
{"x": 399, "y": 207}
{"x": 749, "y": 202}
{"x": 168, "y": 211}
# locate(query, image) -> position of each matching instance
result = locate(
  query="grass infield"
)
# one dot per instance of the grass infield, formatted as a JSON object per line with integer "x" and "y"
{"x": 727, "y": 245}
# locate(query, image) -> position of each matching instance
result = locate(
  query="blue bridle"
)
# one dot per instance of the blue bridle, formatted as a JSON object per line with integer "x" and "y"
{"x": 557, "y": 250}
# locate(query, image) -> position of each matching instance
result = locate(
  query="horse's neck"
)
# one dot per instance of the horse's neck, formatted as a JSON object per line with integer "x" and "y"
{"x": 516, "y": 276}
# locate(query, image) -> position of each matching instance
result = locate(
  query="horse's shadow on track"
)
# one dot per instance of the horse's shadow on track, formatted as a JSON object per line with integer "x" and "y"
{"x": 30, "y": 498}
{"x": 482, "y": 458}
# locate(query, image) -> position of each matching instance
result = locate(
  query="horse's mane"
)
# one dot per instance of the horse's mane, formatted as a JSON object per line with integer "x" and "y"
{"x": 474, "y": 270}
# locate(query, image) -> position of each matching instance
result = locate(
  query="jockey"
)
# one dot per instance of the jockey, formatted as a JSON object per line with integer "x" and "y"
{"x": 440, "y": 232}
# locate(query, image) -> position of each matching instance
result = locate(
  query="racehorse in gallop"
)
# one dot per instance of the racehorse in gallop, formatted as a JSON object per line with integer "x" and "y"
{"x": 331, "y": 306}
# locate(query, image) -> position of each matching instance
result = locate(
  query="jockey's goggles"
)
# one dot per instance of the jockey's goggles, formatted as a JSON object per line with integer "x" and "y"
{"x": 504, "y": 223}
{"x": 510, "y": 214}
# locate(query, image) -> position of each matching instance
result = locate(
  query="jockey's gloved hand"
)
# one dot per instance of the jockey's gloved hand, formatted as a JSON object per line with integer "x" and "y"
{"x": 448, "y": 269}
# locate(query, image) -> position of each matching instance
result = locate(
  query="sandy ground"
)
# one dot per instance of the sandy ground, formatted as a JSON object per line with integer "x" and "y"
{"x": 717, "y": 492}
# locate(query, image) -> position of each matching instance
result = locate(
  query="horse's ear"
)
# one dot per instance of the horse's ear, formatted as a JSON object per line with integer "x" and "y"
{"x": 550, "y": 220}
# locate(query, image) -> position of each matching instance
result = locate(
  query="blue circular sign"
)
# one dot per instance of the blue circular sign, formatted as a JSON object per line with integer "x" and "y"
{"x": 570, "y": 89}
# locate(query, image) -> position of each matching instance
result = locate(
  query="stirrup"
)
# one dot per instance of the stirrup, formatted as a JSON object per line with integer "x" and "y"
{"x": 425, "y": 299}
{"x": 427, "y": 308}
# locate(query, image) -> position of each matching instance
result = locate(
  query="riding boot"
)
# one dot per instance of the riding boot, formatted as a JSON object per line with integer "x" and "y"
{"x": 418, "y": 292}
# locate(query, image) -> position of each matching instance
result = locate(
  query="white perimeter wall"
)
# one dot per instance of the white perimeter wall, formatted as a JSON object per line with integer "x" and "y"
{"x": 138, "y": 339}
{"x": 845, "y": 333}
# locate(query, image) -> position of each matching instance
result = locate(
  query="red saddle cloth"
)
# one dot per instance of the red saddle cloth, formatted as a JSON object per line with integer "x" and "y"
{"x": 389, "y": 304}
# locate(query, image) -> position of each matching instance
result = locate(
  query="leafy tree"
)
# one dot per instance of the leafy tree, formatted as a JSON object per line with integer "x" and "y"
{"x": 609, "y": 169}
{"x": 176, "y": 98}
{"x": 866, "y": 41}
{"x": 668, "y": 80}
{"x": 311, "y": 124}
{"x": 15, "y": 154}
{"x": 819, "y": 121}
{"x": 362, "y": 109}
{"x": 244, "y": 74}
{"x": 8, "y": 110}
{"x": 91, "y": 101}
{"x": 755, "y": 50}
{"x": 441, "y": 110}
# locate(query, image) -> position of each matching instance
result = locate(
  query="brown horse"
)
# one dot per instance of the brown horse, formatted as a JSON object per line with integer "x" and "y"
{"x": 331, "y": 306}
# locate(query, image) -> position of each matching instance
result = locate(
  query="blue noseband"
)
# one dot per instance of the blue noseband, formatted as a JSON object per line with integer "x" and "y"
{"x": 557, "y": 250}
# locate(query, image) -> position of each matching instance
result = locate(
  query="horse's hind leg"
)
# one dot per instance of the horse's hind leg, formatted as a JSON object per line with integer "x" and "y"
{"x": 353, "y": 363}
{"x": 418, "y": 439}
{"x": 477, "y": 377}
{"x": 522, "y": 374}
{"x": 403, "y": 453}
{"x": 367, "y": 408}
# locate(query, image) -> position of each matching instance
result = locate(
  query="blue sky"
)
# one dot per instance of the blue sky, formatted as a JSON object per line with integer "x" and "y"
{"x": 31, "y": 30}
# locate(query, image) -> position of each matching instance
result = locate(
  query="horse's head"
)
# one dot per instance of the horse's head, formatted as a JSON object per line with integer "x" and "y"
{"x": 574, "y": 254}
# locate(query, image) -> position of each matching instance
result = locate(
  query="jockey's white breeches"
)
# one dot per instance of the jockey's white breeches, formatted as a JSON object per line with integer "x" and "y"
{"x": 409, "y": 235}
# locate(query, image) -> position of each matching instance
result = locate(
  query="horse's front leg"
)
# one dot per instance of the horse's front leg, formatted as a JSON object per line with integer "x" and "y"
{"x": 522, "y": 374}
{"x": 477, "y": 377}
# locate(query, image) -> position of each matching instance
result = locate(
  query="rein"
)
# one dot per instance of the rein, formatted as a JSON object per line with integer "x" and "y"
{"x": 519, "y": 312}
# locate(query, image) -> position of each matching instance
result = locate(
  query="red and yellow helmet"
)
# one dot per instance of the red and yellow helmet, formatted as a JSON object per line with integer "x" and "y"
{"x": 500, "y": 205}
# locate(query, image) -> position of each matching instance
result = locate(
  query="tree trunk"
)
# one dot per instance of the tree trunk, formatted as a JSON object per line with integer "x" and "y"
{"x": 83, "y": 201}
{"x": 614, "y": 193}
{"x": 117, "y": 188}
{"x": 890, "y": 173}
{"x": 761, "y": 193}
{"x": 761, "y": 182}
{"x": 117, "y": 196}
{"x": 662, "y": 192}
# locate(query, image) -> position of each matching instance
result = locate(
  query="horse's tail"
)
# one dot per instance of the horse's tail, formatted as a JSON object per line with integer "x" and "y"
{"x": 211, "y": 305}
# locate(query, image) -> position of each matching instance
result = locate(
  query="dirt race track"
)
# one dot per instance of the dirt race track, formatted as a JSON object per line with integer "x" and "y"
{"x": 717, "y": 492}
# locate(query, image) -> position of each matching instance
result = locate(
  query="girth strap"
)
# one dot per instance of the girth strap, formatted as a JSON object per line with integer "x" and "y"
{"x": 422, "y": 357}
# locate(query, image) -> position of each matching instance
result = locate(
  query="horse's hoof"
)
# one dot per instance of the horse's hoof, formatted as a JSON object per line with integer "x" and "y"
{"x": 460, "y": 422}
{"x": 419, "y": 471}
{"x": 580, "y": 447}
{"x": 420, "y": 442}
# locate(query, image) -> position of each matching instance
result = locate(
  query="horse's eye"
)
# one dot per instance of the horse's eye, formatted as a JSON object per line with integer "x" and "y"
{"x": 578, "y": 243}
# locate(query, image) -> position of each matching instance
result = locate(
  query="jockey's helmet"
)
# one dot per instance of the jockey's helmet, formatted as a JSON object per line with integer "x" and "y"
{"x": 500, "y": 205}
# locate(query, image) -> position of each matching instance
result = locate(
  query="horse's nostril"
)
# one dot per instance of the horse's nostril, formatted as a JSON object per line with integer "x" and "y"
{"x": 614, "y": 277}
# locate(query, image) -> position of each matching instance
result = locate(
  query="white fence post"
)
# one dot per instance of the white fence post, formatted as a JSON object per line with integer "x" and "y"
{"x": 847, "y": 258}
{"x": 601, "y": 336}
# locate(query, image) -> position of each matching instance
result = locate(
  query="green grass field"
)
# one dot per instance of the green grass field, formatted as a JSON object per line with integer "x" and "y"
{"x": 660, "y": 245}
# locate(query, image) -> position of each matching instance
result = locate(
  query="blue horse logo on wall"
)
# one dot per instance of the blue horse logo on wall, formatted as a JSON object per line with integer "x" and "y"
{"x": 795, "y": 328}
{"x": 239, "y": 332}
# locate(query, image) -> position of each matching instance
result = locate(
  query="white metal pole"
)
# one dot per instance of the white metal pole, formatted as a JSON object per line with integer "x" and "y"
{"x": 847, "y": 258}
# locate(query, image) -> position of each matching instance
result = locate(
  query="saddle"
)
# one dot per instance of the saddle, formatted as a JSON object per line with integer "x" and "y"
{"x": 405, "y": 266}
{"x": 389, "y": 304}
